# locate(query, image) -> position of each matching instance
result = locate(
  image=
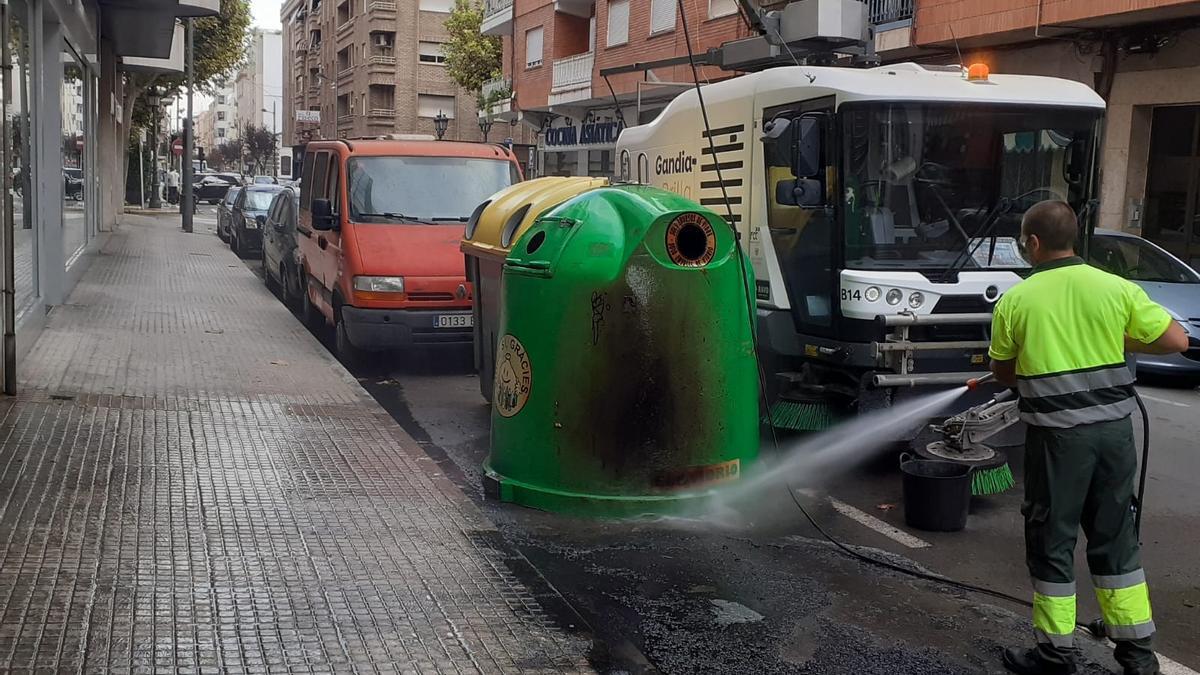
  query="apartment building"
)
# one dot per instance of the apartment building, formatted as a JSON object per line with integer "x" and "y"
{"x": 1142, "y": 57}
{"x": 357, "y": 68}
{"x": 258, "y": 90}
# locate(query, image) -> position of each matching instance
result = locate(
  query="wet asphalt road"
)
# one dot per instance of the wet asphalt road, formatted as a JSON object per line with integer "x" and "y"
{"x": 774, "y": 597}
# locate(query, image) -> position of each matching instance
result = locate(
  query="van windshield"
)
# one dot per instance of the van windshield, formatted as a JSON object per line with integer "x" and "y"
{"x": 429, "y": 189}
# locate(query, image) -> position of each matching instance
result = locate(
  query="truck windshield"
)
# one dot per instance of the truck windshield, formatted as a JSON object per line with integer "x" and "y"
{"x": 932, "y": 186}
{"x": 429, "y": 189}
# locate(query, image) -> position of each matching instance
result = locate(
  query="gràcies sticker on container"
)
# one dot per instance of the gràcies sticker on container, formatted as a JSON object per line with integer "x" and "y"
{"x": 514, "y": 377}
{"x": 691, "y": 241}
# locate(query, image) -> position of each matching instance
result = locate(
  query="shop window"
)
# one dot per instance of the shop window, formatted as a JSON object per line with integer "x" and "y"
{"x": 19, "y": 127}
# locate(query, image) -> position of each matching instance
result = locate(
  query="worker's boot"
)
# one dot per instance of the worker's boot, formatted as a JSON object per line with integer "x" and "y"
{"x": 1031, "y": 662}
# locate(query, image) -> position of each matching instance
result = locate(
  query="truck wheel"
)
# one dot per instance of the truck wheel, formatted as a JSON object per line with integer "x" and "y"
{"x": 352, "y": 357}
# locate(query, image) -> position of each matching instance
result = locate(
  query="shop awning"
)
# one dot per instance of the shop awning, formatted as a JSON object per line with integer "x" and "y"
{"x": 146, "y": 29}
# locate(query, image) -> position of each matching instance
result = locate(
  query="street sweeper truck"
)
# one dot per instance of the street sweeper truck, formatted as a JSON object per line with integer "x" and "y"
{"x": 880, "y": 206}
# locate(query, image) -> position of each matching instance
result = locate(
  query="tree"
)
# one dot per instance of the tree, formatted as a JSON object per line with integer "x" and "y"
{"x": 227, "y": 155}
{"x": 220, "y": 46}
{"x": 471, "y": 58}
{"x": 259, "y": 143}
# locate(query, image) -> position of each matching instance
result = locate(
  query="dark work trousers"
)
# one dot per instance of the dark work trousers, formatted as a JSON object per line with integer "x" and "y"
{"x": 1084, "y": 477}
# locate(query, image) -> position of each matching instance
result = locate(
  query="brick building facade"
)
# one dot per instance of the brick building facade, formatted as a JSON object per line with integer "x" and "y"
{"x": 367, "y": 68}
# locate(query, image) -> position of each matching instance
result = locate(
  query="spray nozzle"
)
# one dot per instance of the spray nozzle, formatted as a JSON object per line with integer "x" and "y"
{"x": 973, "y": 383}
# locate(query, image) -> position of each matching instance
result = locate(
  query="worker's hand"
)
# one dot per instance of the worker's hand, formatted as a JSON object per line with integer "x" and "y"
{"x": 1005, "y": 372}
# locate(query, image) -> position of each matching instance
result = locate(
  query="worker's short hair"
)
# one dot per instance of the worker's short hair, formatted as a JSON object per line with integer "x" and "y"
{"x": 1054, "y": 223}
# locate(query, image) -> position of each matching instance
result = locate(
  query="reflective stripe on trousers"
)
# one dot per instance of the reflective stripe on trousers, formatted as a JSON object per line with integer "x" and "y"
{"x": 1125, "y": 603}
{"x": 1054, "y": 612}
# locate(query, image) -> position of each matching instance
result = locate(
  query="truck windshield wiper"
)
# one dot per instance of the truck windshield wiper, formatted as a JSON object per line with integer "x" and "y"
{"x": 394, "y": 216}
{"x": 451, "y": 219}
{"x": 1001, "y": 207}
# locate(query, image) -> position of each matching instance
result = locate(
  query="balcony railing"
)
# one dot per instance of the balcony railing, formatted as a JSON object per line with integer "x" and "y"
{"x": 887, "y": 11}
{"x": 497, "y": 17}
{"x": 345, "y": 72}
{"x": 345, "y": 118}
{"x": 573, "y": 72}
{"x": 492, "y": 86}
{"x": 382, "y": 112}
{"x": 382, "y": 7}
{"x": 382, "y": 60}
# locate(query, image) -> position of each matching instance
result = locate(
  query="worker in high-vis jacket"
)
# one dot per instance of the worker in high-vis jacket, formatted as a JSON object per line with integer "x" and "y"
{"x": 1060, "y": 338}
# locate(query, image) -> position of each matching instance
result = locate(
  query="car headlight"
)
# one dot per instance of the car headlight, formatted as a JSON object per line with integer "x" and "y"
{"x": 872, "y": 293}
{"x": 916, "y": 299}
{"x": 894, "y": 296}
{"x": 379, "y": 284}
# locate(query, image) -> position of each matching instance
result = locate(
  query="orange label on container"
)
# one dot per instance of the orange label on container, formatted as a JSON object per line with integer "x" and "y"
{"x": 691, "y": 241}
{"x": 694, "y": 476}
{"x": 514, "y": 377}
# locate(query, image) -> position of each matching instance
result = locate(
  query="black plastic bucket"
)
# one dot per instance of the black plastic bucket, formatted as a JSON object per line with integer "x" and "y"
{"x": 937, "y": 494}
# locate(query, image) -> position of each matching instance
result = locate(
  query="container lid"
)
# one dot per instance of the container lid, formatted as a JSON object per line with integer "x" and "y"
{"x": 497, "y": 223}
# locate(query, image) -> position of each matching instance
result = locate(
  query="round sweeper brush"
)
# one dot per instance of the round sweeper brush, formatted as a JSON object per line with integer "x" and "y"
{"x": 990, "y": 473}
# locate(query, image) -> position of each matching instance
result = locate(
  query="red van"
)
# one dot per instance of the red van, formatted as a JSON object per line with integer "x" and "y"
{"x": 379, "y": 229}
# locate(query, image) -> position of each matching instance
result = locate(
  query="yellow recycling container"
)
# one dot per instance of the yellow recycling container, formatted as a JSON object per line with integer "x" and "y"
{"x": 493, "y": 228}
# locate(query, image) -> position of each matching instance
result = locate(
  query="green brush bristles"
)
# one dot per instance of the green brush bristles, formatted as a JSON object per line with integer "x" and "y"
{"x": 798, "y": 416}
{"x": 992, "y": 481}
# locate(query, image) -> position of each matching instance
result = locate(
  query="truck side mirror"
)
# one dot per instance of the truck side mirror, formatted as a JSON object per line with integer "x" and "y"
{"x": 322, "y": 214}
{"x": 806, "y": 146}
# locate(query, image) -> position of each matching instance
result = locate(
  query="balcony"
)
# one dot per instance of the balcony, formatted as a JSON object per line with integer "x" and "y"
{"x": 495, "y": 98}
{"x": 381, "y": 60}
{"x": 382, "y": 8}
{"x": 381, "y": 112}
{"x": 572, "y": 79}
{"x": 345, "y": 119}
{"x": 893, "y": 24}
{"x": 880, "y": 12}
{"x": 381, "y": 77}
{"x": 497, "y": 17}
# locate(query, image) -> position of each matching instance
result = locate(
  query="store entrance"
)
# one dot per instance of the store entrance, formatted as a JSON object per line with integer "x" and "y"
{"x": 1172, "y": 212}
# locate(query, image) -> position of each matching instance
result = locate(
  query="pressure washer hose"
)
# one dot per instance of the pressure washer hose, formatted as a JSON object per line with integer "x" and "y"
{"x": 1095, "y": 627}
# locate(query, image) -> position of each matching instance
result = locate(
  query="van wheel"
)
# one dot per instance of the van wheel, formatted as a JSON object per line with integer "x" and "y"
{"x": 352, "y": 357}
{"x": 309, "y": 314}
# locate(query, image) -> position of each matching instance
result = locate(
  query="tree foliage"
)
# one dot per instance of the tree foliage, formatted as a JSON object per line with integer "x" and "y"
{"x": 226, "y": 156}
{"x": 471, "y": 58}
{"x": 259, "y": 145}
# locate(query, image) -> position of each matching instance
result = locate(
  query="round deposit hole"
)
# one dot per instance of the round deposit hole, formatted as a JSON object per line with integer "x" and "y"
{"x": 692, "y": 242}
{"x": 536, "y": 241}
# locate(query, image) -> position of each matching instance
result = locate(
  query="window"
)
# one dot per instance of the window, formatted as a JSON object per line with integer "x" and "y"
{"x": 220, "y": 115}
{"x": 718, "y": 8}
{"x": 431, "y": 52}
{"x": 443, "y": 6}
{"x": 221, "y": 99}
{"x": 429, "y": 105}
{"x": 221, "y": 132}
{"x": 662, "y": 16}
{"x": 533, "y": 47}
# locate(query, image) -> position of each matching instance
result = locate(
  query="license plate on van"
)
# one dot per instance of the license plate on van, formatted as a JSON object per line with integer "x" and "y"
{"x": 454, "y": 321}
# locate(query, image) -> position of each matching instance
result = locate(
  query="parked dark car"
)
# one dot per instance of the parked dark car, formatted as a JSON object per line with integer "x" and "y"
{"x": 73, "y": 183}
{"x": 249, "y": 216}
{"x": 225, "y": 213}
{"x": 211, "y": 187}
{"x": 1169, "y": 282}
{"x": 280, "y": 253}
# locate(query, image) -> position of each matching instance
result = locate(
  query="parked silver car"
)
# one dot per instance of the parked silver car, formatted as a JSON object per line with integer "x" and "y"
{"x": 1169, "y": 282}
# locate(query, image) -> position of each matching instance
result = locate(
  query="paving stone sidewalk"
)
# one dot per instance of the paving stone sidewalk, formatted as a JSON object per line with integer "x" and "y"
{"x": 189, "y": 482}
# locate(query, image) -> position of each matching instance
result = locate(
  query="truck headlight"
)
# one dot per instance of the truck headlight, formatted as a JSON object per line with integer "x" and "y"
{"x": 894, "y": 296}
{"x": 872, "y": 293}
{"x": 916, "y": 299}
{"x": 379, "y": 284}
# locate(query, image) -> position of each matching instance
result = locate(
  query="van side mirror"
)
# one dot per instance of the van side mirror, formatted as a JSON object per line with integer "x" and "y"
{"x": 322, "y": 214}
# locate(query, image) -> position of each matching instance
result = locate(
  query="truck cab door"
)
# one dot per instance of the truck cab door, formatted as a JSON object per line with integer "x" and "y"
{"x": 804, "y": 238}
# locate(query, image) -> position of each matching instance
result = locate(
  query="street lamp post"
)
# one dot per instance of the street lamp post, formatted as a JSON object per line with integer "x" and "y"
{"x": 274, "y": 141}
{"x": 186, "y": 203}
{"x": 485, "y": 125}
{"x": 440, "y": 122}
{"x": 155, "y": 103}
